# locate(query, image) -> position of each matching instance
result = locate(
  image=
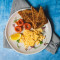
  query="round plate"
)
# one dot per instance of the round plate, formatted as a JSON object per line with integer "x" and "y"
{"x": 10, "y": 30}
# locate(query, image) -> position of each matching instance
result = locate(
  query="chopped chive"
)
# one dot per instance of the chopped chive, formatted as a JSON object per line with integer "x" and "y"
{"x": 18, "y": 40}
{"x": 41, "y": 42}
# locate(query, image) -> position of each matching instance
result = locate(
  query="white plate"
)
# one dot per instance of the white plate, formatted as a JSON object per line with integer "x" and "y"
{"x": 10, "y": 30}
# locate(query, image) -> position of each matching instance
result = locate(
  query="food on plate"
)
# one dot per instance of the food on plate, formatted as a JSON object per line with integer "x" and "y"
{"x": 15, "y": 36}
{"x": 26, "y": 15}
{"x": 30, "y": 30}
{"x": 31, "y": 37}
{"x": 41, "y": 18}
{"x": 18, "y": 29}
{"x": 20, "y": 22}
{"x": 27, "y": 26}
{"x": 37, "y": 19}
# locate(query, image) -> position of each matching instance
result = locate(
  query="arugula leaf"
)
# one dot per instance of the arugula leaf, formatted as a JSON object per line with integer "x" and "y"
{"x": 18, "y": 40}
{"x": 41, "y": 42}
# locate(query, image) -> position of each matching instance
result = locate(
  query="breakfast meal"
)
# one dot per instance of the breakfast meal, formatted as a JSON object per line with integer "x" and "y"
{"x": 30, "y": 28}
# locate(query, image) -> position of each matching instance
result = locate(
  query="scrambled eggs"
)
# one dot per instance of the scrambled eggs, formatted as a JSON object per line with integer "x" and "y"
{"x": 31, "y": 37}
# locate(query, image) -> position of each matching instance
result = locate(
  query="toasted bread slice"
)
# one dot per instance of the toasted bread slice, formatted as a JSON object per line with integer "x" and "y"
{"x": 41, "y": 19}
{"x": 41, "y": 16}
{"x": 40, "y": 24}
{"x": 26, "y": 15}
{"x": 34, "y": 16}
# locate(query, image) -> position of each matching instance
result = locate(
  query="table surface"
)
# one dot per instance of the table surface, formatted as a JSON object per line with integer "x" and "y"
{"x": 5, "y": 54}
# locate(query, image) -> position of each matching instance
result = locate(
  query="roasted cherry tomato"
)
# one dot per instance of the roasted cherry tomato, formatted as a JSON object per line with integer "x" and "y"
{"x": 20, "y": 22}
{"x": 27, "y": 26}
{"x": 18, "y": 29}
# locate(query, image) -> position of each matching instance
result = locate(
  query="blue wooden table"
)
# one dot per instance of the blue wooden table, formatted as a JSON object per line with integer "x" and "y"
{"x": 54, "y": 12}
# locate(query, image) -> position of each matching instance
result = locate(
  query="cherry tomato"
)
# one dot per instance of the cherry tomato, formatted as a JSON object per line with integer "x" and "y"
{"x": 20, "y": 22}
{"x": 18, "y": 29}
{"x": 27, "y": 26}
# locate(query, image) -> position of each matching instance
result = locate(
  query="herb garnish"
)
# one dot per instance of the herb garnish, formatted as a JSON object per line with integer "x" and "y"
{"x": 41, "y": 42}
{"x": 18, "y": 40}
